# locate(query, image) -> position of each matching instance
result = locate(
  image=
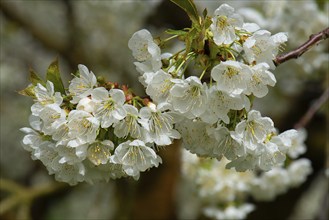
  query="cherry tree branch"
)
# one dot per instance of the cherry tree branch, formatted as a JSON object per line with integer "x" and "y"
{"x": 294, "y": 54}
{"x": 312, "y": 110}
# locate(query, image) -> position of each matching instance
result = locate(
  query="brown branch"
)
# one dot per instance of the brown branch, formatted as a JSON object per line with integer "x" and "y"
{"x": 14, "y": 15}
{"x": 66, "y": 47}
{"x": 294, "y": 54}
{"x": 312, "y": 110}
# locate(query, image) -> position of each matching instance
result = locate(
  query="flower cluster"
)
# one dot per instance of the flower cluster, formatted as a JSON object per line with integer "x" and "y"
{"x": 220, "y": 193}
{"x": 94, "y": 132}
{"x": 97, "y": 130}
{"x": 213, "y": 104}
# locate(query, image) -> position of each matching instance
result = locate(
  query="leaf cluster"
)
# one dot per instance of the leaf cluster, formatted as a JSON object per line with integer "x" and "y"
{"x": 52, "y": 74}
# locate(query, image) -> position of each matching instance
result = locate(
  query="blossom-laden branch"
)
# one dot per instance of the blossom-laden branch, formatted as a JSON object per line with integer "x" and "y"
{"x": 313, "y": 109}
{"x": 294, "y": 54}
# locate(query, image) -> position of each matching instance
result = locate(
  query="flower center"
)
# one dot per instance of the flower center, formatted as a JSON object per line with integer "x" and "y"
{"x": 98, "y": 154}
{"x": 222, "y": 22}
{"x": 109, "y": 104}
{"x": 231, "y": 71}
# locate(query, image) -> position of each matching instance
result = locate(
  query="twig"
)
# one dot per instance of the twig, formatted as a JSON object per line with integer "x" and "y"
{"x": 24, "y": 196}
{"x": 294, "y": 54}
{"x": 312, "y": 110}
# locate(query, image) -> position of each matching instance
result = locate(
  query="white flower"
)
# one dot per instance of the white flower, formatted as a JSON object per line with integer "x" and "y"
{"x": 253, "y": 134}
{"x": 298, "y": 171}
{"x": 109, "y": 107}
{"x": 47, "y": 154}
{"x": 243, "y": 163}
{"x": 230, "y": 212}
{"x": 69, "y": 173}
{"x": 45, "y": 96}
{"x": 259, "y": 80}
{"x": 102, "y": 172}
{"x": 226, "y": 145}
{"x": 81, "y": 87}
{"x": 129, "y": 125}
{"x": 82, "y": 125}
{"x": 270, "y": 184}
{"x": 231, "y": 76}
{"x": 72, "y": 153}
{"x": 147, "y": 52}
{"x": 41, "y": 146}
{"x": 269, "y": 156}
{"x": 99, "y": 152}
{"x": 250, "y": 27}
{"x": 220, "y": 103}
{"x": 253, "y": 131}
{"x": 146, "y": 72}
{"x": 143, "y": 46}
{"x": 159, "y": 86}
{"x": 34, "y": 140}
{"x": 197, "y": 140}
{"x": 189, "y": 96}
{"x": 215, "y": 183}
{"x": 292, "y": 142}
{"x": 35, "y": 122}
{"x": 135, "y": 157}
{"x": 52, "y": 116}
{"x": 224, "y": 23}
{"x": 262, "y": 47}
{"x": 159, "y": 125}
{"x": 86, "y": 104}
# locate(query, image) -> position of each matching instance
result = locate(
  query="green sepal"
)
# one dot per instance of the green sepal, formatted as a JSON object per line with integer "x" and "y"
{"x": 207, "y": 22}
{"x": 35, "y": 79}
{"x": 54, "y": 76}
{"x": 28, "y": 91}
{"x": 189, "y": 7}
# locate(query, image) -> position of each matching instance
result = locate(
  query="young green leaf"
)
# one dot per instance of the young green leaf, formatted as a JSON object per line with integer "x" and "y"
{"x": 176, "y": 32}
{"x": 189, "y": 7}
{"x": 54, "y": 76}
{"x": 205, "y": 13}
{"x": 35, "y": 79}
{"x": 28, "y": 91}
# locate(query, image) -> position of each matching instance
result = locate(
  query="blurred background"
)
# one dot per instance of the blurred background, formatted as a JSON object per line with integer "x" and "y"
{"x": 96, "y": 34}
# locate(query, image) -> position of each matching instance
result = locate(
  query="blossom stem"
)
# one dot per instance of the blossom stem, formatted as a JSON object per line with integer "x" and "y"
{"x": 294, "y": 54}
{"x": 203, "y": 72}
{"x": 183, "y": 62}
{"x": 169, "y": 38}
{"x": 177, "y": 53}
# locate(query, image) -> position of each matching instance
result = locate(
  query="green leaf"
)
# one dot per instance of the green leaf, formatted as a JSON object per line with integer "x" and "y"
{"x": 35, "y": 79}
{"x": 28, "y": 91}
{"x": 205, "y": 13}
{"x": 54, "y": 76}
{"x": 189, "y": 7}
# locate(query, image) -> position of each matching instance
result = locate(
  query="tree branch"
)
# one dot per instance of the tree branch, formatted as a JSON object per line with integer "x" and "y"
{"x": 312, "y": 110}
{"x": 20, "y": 195}
{"x": 66, "y": 47}
{"x": 13, "y": 15}
{"x": 294, "y": 54}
